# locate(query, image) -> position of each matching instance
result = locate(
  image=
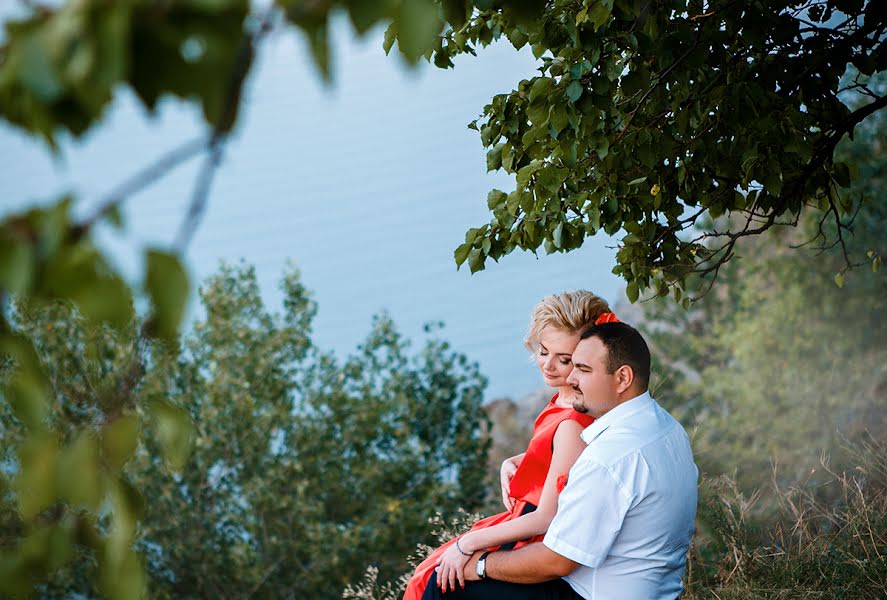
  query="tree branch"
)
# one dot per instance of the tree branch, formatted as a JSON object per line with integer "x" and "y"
{"x": 139, "y": 181}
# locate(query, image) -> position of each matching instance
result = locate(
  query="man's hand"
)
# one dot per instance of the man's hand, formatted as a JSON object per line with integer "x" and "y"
{"x": 532, "y": 563}
{"x": 506, "y": 472}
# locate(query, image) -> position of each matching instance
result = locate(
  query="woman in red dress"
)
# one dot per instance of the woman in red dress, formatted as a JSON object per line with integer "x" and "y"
{"x": 530, "y": 481}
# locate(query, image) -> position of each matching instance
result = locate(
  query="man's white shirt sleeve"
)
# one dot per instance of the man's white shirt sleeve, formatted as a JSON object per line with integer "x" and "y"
{"x": 586, "y": 535}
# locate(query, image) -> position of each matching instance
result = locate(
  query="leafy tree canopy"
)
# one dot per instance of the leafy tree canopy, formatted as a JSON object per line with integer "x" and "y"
{"x": 779, "y": 365}
{"x": 294, "y": 470}
{"x": 653, "y": 118}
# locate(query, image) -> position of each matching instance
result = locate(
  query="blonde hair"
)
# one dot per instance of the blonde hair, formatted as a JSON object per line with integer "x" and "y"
{"x": 567, "y": 311}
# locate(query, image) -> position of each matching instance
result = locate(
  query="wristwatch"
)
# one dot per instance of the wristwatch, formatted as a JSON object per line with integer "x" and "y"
{"x": 482, "y": 565}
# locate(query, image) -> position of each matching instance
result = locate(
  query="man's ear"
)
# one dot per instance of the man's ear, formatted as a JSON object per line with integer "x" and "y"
{"x": 624, "y": 378}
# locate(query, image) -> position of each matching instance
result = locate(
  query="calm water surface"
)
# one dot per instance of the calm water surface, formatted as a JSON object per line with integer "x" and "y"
{"x": 367, "y": 186}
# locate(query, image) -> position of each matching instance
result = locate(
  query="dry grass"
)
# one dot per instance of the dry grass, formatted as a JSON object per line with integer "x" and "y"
{"x": 815, "y": 540}
{"x": 823, "y": 538}
{"x": 370, "y": 588}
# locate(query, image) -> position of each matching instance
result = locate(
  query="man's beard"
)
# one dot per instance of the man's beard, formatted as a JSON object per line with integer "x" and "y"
{"x": 579, "y": 407}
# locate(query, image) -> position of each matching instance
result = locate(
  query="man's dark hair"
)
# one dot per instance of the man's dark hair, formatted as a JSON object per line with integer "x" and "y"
{"x": 625, "y": 346}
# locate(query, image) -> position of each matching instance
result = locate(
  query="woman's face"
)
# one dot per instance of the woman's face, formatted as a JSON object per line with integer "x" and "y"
{"x": 553, "y": 355}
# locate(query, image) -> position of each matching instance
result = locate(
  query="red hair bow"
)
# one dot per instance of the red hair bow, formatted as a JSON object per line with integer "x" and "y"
{"x": 607, "y": 317}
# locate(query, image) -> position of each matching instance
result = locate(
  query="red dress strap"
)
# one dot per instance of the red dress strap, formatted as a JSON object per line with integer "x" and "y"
{"x": 530, "y": 477}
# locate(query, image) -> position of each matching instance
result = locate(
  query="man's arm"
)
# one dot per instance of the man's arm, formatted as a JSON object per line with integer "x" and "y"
{"x": 530, "y": 564}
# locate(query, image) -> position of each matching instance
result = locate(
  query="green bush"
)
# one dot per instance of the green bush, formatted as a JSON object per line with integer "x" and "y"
{"x": 292, "y": 469}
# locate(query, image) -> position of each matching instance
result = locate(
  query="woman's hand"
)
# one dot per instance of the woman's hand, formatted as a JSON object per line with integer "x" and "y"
{"x": 509, "y": 468}
{"x": 451, "y": 568}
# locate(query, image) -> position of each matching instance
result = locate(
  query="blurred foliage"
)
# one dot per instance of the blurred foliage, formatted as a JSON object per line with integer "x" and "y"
{"x": 301, "y": 469}
{"x": 778, "y": 363}
{"x": 61, "y": 65}
{"x": 61, "y": 480}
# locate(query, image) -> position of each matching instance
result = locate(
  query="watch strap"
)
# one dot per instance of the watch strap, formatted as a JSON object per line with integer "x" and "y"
{"x": 482, "y": 565}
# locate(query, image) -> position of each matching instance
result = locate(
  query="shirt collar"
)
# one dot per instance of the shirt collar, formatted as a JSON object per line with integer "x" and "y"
{"x": 619, "y": 413}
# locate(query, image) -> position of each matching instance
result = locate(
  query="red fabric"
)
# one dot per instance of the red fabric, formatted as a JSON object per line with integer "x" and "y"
{"x": 526, "y": 487}
{"x": 606, "y": 317}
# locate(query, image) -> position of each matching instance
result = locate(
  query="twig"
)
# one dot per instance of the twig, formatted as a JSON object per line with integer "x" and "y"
{"x": 221, "y": 129}
{"x": 200, "y": 197}
{"x": 141, "y": 180}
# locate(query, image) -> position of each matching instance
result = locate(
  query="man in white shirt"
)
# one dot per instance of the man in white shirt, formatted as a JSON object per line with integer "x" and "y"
{"x": 626, "y": 517}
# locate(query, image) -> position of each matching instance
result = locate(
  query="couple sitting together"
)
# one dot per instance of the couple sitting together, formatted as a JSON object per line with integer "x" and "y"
{"x": 602, "y": 504}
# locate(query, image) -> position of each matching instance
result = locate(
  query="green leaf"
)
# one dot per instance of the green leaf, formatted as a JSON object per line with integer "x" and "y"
{"x": 120, "y": 571}
{"x": 78, "y": 476}
{"x": 773, "y": 181}
{"x": 120, "y": 438}
{"x": 174, "y": 433}
{"x": 594, "y": 217}
{"x": 390, "y": 38}
{"x": 418, "y": 25}
{"x": 508, "y": 158}
{"x": 540, "y": 89}
{"x": 839, "y": 280}
{"x": 535, "y": 134}
{"x": 105, "y": 300}
{"x": 495, "y": 199}
{"x": 476, "y": 260}
{"x": 16, "y": 266}
{"x": 574, "y": 91}
{"x": 841, "y": 173}
{"x": 558, "y": 117}
{"x": 525, "y": 173}
{"x": 461, "y": 253}
{"x": 167, "y": 286}
{"x": 599, "y": 14}
{"x": 635, "y": 81}
{"x": 29, "y": 399}
{"x": 156, "y": 64}
{"x": 558, "y": 236}
{"x": 35, "y": 482}
{"x": 319, "y": 44}
{"x": 366, "y": 14}
{"x": 38, "y": 72}
{"x": 517, "y": 38}
{"x": 603, "y": 147}
{"x": 551, "y": 179}
{"x": 494, "y": 157}
{"x": 631, "y": 291}
{"x": 124, "y": 578}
